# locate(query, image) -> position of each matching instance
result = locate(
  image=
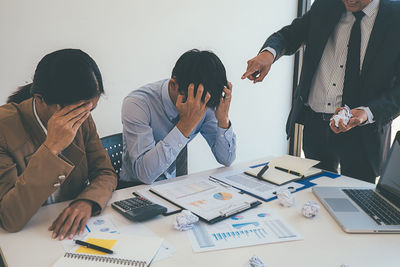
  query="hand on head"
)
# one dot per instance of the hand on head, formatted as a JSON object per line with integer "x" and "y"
{"x": 192, "y": 110}
{"x": 222, "y": 110}
{"x": 64, "y": 123}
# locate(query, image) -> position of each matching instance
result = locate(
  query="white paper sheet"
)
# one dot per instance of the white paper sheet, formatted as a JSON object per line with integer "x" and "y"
{"x": 253, "y": 227}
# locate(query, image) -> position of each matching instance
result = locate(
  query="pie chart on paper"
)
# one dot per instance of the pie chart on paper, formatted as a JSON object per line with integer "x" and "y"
{"x": 223, "y": 196}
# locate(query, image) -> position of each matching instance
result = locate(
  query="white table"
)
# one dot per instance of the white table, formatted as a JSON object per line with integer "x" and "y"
{"x": 324, "y": 244}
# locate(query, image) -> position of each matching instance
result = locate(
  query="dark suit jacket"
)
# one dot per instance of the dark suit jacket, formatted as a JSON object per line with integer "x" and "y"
{"x": 28, "y": 170}
{"x": 380, "y": 72}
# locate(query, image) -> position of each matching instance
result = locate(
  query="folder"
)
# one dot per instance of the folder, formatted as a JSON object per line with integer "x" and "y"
{"x": 285, "y": 169}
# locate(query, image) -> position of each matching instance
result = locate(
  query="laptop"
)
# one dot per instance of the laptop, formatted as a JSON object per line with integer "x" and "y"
{"x": 368, "y": 210}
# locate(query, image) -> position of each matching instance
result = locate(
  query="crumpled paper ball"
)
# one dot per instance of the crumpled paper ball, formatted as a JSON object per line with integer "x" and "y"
{"x": 344, "y": 114}
{"x": 310, "y": 209}
{"x": 255, "y": 261}
{"x": 286, "y": 198}
{"x": 185, "y": 220}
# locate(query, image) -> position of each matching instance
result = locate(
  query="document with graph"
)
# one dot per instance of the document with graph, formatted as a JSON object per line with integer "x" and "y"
{"x": 250, "y": 228}
{"x": 209, "y": 200}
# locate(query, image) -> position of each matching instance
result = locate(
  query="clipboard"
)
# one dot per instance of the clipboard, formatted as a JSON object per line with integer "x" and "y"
{"x": 210, "y": 201}
{"x": 238, "y": 179}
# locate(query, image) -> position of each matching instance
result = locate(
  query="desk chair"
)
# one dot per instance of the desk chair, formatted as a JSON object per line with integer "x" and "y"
{"x": 113, "y": 145}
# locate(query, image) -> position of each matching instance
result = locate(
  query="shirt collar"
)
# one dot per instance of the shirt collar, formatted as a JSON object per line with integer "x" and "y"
{"x": 169, "y": 107}
{"x": 371, "y": 8}
{"x": 37, "y": 117}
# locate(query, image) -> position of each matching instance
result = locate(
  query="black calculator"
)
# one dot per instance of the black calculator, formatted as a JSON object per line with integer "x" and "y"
{"x": 138, "y": 208}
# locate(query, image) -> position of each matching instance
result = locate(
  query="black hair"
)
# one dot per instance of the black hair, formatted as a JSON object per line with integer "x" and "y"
{"x": 203, "y": 67}
{"x": 63, "y": 77}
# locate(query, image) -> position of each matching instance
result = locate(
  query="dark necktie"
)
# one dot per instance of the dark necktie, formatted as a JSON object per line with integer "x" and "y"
{"x": 181, "y": 160}
{"x": 352, "y": 83}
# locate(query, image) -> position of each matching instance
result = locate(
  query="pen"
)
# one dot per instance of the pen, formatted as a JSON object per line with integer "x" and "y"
{"x": 263, "y": 170}
{"x": 92, "y": 246}
{"x": 288, "y": 171}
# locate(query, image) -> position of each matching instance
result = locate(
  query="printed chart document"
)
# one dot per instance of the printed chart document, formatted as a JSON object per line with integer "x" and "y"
{"x": 251, "y": 185}
{"x": 253, "y": 227}
{"x": 209, "y": 200}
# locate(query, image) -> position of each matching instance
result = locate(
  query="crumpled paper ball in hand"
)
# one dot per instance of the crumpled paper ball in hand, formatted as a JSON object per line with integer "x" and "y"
{"x": 310, "y": 209}
{"x": 286, "y": 198}
{"x": 344, "y": 114}
{"x": 255, "y": 261}
{"x": 185, "y": 220}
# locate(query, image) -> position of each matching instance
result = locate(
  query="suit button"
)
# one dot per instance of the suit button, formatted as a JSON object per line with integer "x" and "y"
{"x": 57, "y": 185}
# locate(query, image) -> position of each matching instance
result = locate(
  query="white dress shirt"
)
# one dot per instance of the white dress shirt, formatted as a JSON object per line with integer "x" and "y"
{"x": 327, "y": 86}
{"x": 152, "y": 141}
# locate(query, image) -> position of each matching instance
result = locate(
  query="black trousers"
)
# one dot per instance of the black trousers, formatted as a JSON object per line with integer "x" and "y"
{"x": 347, "y": 149}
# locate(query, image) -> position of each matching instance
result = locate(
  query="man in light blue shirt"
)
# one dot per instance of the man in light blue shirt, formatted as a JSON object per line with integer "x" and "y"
{"x": 160, "y": 118}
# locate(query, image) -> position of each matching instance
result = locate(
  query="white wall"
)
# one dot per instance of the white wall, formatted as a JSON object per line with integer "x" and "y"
{"x": 135, "y": 42}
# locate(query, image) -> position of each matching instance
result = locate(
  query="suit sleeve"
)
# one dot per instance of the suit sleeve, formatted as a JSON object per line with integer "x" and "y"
{"x": 103, "y": 179}
{"x": 290, "y": 38}
{"x": 22, "y": 194}
{"x": 387, "y": 107}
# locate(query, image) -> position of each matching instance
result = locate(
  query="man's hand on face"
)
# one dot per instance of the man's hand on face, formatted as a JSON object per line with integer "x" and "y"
{"x": 258, "y": 67}
{"x": 192, "y": 110}
{"x": 222, "y": 111}
{"x": 359, "y": 117}
{"x": 72, "y": 220}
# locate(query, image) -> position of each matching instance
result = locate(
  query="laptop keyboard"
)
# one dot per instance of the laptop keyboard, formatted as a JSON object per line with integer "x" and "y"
{"x": 375, "y": 206}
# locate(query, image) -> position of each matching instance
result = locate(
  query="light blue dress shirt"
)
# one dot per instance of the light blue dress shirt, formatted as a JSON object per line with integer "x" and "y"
{"x": 151, "y": 141}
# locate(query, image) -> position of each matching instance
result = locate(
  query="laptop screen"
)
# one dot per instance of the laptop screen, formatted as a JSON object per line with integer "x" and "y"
{"x": 389, "y": 183}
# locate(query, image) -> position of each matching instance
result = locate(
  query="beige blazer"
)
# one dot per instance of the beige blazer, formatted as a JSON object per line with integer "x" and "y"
{"x": 30, "y": 173}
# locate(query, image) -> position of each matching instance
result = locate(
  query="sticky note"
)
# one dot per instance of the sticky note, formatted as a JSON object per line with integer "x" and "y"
{"x": 105, "y": 243}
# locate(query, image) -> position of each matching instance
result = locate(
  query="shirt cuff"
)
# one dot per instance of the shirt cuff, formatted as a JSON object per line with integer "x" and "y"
{"x": 176, "y": 139}
{"x": 270, "y": 49}
{"x": 226, "y": 133}
{"x": 370, "y": 115}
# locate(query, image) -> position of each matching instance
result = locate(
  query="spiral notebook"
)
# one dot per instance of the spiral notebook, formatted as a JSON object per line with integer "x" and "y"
{"x": 128, "y": 251}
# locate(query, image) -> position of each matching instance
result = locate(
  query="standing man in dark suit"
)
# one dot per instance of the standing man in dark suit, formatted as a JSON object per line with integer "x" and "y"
{"x": 352, "y": 58}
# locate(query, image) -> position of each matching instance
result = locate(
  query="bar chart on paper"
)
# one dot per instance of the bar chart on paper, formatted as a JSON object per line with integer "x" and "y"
{"x": 254, "y": 227}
